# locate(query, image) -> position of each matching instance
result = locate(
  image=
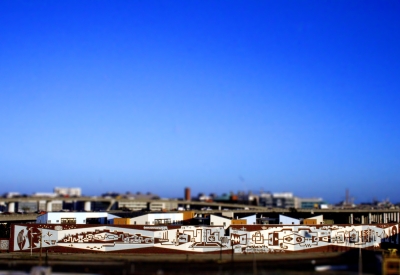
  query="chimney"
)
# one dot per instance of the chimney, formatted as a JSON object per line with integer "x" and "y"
{"x": 187, "y": 194}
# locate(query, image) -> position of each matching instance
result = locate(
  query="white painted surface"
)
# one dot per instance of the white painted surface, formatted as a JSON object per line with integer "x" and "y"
{"x": 287, "y": 220}
{"x": 81, "y": 217}
{"x": 220, "y": 221}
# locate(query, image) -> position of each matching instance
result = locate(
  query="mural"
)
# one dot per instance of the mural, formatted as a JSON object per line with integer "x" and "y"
{"x": 109, "y": 238}
{"x": 272, "y": 238}
{"x": 185, "y": 239}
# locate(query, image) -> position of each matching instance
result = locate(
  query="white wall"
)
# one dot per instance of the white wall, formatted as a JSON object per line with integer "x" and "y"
{"x": 250, "y": 219}
{"x": 219, "y": 221}
{"x": 144, "y": 219}
{"x": 287, "y": 220}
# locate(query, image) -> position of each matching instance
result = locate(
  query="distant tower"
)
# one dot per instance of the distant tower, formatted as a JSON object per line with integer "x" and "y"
{"x": 187, "y": 193}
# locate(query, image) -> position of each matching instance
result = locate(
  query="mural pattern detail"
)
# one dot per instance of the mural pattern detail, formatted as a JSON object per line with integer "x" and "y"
{"x": 267, "y": 239}
{"x": 4, "y": 244}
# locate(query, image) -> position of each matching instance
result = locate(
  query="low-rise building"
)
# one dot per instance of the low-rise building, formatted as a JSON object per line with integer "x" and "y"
{"x": 309, "y": 203}
{"x": 314, "y": 220}
{"x": 135, "y": 205}
{"x": 76, "y": 218}
{"x": 171, "y": 218}
{"x": 228, "y": 218}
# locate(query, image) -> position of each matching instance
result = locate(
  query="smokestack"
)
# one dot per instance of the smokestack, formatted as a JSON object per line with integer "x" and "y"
{"x": 187, "y": 194}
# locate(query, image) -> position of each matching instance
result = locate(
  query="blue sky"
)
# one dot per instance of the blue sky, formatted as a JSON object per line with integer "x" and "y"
{"x": 219, "y": 96}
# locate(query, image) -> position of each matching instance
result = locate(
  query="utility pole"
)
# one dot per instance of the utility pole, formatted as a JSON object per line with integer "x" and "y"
{"x": 40, "y": 256}
{"x": 359, "y": 261}
{"x": 30, "y": 232}
{"x": 220, "y": 249}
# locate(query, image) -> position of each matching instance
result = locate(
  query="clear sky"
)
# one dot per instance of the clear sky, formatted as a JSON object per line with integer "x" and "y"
{"x": 219, "y": 96}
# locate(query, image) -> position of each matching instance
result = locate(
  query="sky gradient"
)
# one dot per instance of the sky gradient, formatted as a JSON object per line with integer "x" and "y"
{"x": 219, "y": 96}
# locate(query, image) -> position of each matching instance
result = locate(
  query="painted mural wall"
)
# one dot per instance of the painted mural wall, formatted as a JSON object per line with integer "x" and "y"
{"x": 110, "y": 238}
{"x": 302, "y": 238}
{"x": 188, "y": 239}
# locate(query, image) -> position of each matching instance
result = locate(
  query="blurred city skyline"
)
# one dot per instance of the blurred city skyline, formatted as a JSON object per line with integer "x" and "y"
{"x": 347, "y": 199}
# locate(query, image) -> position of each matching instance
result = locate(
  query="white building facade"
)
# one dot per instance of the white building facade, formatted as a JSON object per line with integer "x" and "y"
{"x": 76, "y": 218}
{"x": 158, "y": 218}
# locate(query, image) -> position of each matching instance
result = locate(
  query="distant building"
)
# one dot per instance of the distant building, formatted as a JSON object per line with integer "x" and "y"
{"x": 68, "y": 191}
{"x": 248, "y": 198}
{"x": 205, "y": 198}
{"x": 11, "y": 195}
{"x": 134, "y": 205}
{"x": 309, "y": 203}
{"x": 225, "y": 198}
{"x": 283, "y": 200}
{"x": 266, "y": 200}
{"x": 270, "y": 200}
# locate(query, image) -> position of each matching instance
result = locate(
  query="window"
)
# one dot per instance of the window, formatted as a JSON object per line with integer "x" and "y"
{"x": 93, "y": 221}
{"x": 162, "y": 221}
{"x": 49, "y": 221}
{"x": 68, "y": 220}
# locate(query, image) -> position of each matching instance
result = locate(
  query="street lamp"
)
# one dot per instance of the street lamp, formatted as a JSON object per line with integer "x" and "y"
{"x": 30, "y": 232}
{"x": 41, "y": 237}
